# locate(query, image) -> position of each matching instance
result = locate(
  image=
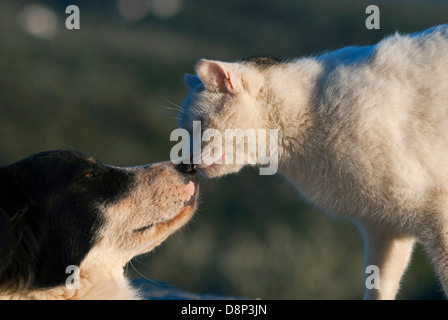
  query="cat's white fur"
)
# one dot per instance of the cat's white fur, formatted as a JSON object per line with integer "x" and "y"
{"x": 363, "y": 134}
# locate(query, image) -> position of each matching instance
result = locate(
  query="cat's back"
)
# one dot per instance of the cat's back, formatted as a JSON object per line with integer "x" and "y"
{"x": 384, "y": 110}
{"x": 403, "y": 57}
{"x": 413, "y": 56}
{"x": 401, "y": 75}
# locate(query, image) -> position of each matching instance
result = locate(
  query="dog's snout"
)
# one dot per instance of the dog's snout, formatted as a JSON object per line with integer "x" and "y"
{"x": 186, "y": 168}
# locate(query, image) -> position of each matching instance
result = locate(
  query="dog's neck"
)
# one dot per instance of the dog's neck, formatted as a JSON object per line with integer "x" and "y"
{"x": 95, "y": 285}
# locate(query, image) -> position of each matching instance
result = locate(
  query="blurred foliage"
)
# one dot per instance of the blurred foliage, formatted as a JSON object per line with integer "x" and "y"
{"x": 111, "y": 89}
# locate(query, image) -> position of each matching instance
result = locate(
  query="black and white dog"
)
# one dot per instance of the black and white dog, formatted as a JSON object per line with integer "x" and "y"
{"x": 61, "y": 209}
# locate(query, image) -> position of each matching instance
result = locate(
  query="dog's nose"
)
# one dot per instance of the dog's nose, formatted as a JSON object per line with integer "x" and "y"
{"x": 186, "y": 168}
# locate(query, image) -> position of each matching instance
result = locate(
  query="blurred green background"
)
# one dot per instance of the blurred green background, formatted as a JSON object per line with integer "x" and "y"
{"x": 111, "y": 89}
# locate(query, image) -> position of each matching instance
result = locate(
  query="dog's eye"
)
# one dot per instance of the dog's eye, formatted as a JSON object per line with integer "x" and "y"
{"x": 89, "y": 175}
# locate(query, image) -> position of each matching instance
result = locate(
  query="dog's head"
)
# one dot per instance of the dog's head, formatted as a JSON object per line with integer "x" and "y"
{"x": 61, "y": 208}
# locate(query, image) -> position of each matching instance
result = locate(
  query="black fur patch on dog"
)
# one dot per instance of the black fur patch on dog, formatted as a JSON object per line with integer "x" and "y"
{"x": 49, "y": 215}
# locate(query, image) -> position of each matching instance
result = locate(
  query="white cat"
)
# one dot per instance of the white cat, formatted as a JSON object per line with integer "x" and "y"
{"x": 363, "y": 134}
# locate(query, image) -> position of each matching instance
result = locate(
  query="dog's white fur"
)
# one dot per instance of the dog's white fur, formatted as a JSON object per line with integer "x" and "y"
{"x": 363, "y": 134}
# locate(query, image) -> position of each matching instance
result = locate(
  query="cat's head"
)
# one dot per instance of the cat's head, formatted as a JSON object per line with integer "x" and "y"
{"x": 224, "y": 96}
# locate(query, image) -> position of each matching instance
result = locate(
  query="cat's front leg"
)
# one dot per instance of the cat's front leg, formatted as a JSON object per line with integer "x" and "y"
{"x": 433, "y": 234}
{"x": 389, "y": 252}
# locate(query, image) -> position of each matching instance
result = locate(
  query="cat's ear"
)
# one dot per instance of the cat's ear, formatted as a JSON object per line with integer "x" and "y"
{"x": 191, "y": 80}
{"x": 218, "y": 75}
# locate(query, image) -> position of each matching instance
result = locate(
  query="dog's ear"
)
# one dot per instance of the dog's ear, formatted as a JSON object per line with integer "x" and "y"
{"x": 13, "y": 207}
{"x": 6, "y": 238}
{"x": 6, "y": 231}
{"x": 13, "y": 194}
{"x": 15, "y": 202}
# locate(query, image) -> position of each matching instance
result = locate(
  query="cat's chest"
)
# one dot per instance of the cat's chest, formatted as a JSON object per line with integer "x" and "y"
{"x": 322, "y": 185}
